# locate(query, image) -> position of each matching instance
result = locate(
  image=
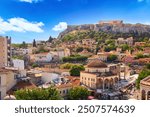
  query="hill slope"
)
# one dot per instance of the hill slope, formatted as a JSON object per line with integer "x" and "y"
{"x": 105, "y": 30}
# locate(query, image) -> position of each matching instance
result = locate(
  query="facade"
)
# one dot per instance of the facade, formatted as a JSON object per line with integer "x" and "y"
{"x": 140, "y": 43}
{"x": 98, "y": 75}
{"x": 85, "y": 53}
{"x": 5, "y": 51}
{"x": 67, "y": 52}
{"x": 43, "y": 57}
{"x": 128, "y": 41}
{"x": 17, "y": 63}
{"x": 7, "y": 81}
{"x": 145, "y": 89}
{"x": 103, "y": 56}
{"x": 88, "y": 42}
{"x": 64, "y": 89}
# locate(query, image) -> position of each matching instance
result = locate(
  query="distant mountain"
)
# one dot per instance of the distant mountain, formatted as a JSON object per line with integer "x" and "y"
{"x": 112, "y": 27}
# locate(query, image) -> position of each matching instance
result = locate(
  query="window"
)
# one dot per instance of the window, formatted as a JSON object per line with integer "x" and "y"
{"x": 0, "y": 95}
{"x": 67, "y": 91}
{"x": 63, "y": 91}
{"x": 60, "y": 92}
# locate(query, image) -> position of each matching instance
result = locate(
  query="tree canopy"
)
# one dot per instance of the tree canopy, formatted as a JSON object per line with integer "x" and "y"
{"x": 143, "y": 74}
{"x": 38, "y": 94}
{"x": 78, "y": 93}
{"x": 75, "y": 70}
{"x": 34, "y": 43}
{"x": 112, "y": 57}
{"x": 74, "y": 58}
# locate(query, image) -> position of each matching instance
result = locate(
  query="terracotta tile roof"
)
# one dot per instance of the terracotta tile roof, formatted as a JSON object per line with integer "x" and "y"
{"x": 64, "y": 86}
{"x": 22, "y": 85}
{"x": 76, "y": 82}
{"x": 146, "y": 81}
{"x": 96, "y": 64}
{"x": 143, "y": 60}
{"x": 25, "y": 85}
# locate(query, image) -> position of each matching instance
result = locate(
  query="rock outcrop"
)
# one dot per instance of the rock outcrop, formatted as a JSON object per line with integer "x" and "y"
{"x": 107, "y": 27}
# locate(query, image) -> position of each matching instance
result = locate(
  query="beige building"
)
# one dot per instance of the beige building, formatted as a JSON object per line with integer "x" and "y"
{"x": 5, "y": 51}
{"x": 128, "y": 41}
{"x": 67, "y": 52}
{"x": 145, "y": 89}
{"x": 88, "y": 42}
{"x": 7, "y": 81}
{"x": 98, "y": 75}
{"x": 64, "y": 89}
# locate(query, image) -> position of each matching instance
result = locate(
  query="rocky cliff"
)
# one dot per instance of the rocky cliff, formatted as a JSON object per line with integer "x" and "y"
{"x": 120, "y": 28}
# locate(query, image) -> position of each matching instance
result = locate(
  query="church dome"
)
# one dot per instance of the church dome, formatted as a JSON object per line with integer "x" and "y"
{"x": 96, "y": 64}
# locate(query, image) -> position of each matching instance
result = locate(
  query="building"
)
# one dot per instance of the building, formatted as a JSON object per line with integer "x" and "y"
{"x": 7, "y": 81}
{"x": 5, "y": 51}
{"x": 128, "y": 41}
{"x": 145, "y": 89}
{"x": 98, "y": 75}
{"x": 43, "y": 57}
{"x": 112, "y": 22}
{"x": 17, "y": 63}
{"x": 67, "y": 52}
{"x": 103, "y": 55}
{"x": 140, "y": 43}
{"x": 88, "y": 42}
{"x": 64, "y": 89}
{"x": 85, "y": 52}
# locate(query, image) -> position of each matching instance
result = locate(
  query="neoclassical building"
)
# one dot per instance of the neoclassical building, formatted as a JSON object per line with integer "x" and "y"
{"x": 145, "y": 88}
{"x": 98, "y": 75}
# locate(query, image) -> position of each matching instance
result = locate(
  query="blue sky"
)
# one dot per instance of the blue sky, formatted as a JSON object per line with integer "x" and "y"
{"x": 25, "y": 20}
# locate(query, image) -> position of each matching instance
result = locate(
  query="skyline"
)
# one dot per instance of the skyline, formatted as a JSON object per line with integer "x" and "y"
{"x": 25, "y": 20}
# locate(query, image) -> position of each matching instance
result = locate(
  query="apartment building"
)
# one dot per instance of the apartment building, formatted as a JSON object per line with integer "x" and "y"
{"x": 5, "y": 51}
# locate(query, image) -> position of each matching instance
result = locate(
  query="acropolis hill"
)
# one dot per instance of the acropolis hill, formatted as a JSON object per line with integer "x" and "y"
{"x": 113, "y": 26}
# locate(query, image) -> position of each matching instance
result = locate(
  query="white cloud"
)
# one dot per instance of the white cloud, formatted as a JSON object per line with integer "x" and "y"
{"x": 31, "y": 1}
{"x": 146, "y": 23}
{"x": 60, "y": 27}
{"x": 20, "y": 25}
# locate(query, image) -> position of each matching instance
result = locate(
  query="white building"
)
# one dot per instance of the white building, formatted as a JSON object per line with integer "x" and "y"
{"x": 17, "y": 63}
{"x": 43, "y": 57}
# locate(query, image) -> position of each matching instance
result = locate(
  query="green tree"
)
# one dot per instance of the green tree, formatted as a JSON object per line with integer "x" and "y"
{"x": 148, "y": 66}
{"x": 112, "y": 57}
{"x": 34, "y": 43}
{"x": 79, "y": 49}
{"x": 143, "y": 74}
{"x": 35, "y": 65}
{"x": 50, "y": 39}
{"x": 78, "y": 93}
{"x": 38, "y": 94}
{"x": 125, "y": 47}
{"x": 138, "y": 56}
{"x": 75, "y": 70}
{"x": 74, "y": 58}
